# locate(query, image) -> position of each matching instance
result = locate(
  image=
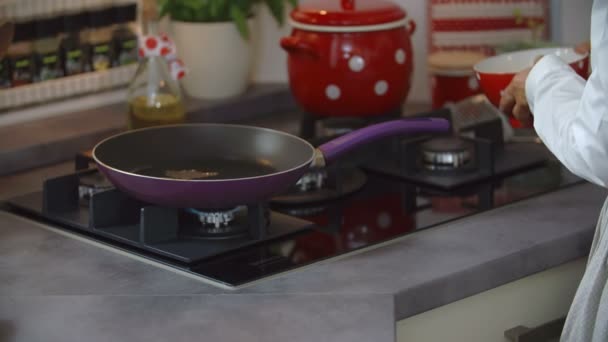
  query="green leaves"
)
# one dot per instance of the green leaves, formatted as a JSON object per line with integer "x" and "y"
{"x": 164, "y": 7}
{"x": 221, "y": 10}
{"x": 276, "y": 9}
{"x": 239, "y": 18}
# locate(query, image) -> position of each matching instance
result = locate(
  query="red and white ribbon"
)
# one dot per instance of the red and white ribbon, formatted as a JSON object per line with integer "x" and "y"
{"x": 162, "y": 45}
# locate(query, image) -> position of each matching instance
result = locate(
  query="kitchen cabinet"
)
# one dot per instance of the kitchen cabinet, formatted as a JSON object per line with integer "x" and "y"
{"x": 531, "y": 301}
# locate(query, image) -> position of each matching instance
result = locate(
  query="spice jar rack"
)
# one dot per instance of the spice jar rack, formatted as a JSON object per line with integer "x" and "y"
{"x": 62, "y": 88}
{"x": 67, "y": 86}
{"x": 20, "y": 9}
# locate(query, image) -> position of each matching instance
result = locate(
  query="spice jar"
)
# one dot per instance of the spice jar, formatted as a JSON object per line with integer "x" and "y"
{"x": 20, "y": 54}
{"x": 5, "y": 73}
{"x": 123, "y": 37}
{"x": 73, "y": 46}
{"x": 46, "y": 49}
{"x": 7, "y": 29}
{"x": 100, "y": 39}
{"x": 452, "y": 76}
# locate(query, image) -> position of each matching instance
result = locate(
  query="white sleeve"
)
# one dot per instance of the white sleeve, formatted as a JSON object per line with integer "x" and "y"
{"x": 571, "y": 115}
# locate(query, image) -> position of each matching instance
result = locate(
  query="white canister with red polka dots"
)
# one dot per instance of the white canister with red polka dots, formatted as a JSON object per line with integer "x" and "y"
{"x": 219, "y": 59}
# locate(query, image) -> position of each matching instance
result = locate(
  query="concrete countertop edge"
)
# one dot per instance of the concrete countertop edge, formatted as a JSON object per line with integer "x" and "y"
{"x": 188, "y": 318}
{"x": 505, "y": 269}
{"x": 538, "y": 257}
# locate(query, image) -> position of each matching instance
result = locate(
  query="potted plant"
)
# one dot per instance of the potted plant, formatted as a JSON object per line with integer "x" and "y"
{"x": 537, "y": 29}
{"x": 213, "y": 38}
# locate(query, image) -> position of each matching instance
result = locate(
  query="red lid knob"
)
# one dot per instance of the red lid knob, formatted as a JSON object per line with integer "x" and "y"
{"x": 348, "y": 4}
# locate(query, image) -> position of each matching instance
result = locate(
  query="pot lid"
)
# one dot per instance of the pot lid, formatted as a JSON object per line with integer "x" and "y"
{"x": 346, "y": 13}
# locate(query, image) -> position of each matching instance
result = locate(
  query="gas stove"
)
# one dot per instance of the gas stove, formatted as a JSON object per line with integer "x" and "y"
{"x": 381, "y": 192}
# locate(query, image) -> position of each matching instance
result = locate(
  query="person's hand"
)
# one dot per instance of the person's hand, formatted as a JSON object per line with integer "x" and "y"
{"x": 513, "y": 99}
{"x": 583, "y": 48}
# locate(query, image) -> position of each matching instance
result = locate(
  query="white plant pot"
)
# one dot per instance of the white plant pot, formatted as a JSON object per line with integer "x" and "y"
{"x": 218, "y": 59}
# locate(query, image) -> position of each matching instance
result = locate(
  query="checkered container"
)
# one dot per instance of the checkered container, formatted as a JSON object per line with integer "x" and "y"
{"x": 462, "y": 32}
{"x": 39, "y": 94}
{"x": 482, "y": 25}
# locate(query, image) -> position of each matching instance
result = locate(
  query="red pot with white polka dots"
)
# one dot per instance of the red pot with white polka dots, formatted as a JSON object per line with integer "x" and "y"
{"x": 349, "y": 57}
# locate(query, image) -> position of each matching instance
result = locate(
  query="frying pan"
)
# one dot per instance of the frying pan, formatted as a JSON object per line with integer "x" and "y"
{"x": 218, "y": 166}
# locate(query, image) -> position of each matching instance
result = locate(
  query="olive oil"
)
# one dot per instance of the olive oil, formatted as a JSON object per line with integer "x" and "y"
{"x": 162, "y": 109}
{"x": 154, "y": 96}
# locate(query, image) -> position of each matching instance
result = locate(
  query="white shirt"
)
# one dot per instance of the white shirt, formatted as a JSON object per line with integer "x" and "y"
{"x": 571, "y": 115}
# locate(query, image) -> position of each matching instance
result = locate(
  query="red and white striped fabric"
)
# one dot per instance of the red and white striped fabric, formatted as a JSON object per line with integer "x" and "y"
{"x": 480, "y": 25}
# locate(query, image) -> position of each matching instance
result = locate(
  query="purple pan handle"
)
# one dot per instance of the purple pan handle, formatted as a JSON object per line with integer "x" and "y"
{"x": 333, "y": 149}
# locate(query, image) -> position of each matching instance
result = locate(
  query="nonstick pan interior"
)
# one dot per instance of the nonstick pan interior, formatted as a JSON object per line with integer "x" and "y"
{"x": 204, "y": 152}
{"x": 219, "y": 166}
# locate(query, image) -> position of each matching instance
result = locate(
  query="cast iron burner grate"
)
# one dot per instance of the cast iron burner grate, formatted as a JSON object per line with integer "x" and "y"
{"x": 339, "y": 182}
{"x": 90, "y": 184}
{"x": 408, "y": 158}
{"x": 313, "y": 180}
{"x": 446, "y": 154}
{"x": 330, "y": 183}
{"x": 167, "y": 233}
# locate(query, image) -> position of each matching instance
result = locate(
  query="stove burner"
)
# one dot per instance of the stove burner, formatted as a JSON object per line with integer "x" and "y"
{"x": 217, "y": 223}
{"x": 220, "y": 224}
{"x": 91, "y": 184}
{"x": 446, "y": 153}
{"x": 335, "y": 183}
{"x": 312, "y": 180}
{"x": 215, "y": 220}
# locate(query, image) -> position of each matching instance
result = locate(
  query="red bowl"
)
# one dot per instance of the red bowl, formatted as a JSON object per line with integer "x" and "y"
{"x": 495, "y": 73}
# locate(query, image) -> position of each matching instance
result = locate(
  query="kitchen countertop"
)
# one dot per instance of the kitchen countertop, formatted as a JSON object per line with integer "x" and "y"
{"x": 64, "y": 289}
{"x": 56, "y": 288}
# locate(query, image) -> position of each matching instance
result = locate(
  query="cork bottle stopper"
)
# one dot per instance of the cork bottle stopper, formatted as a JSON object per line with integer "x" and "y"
{"x": 149, "y": 11}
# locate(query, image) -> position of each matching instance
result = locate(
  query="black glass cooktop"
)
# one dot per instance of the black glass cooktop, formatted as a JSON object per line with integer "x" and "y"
{"x": 266, "y": 239}
{"x": 384, "y": 209}
{"x": 385, "y": 190}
